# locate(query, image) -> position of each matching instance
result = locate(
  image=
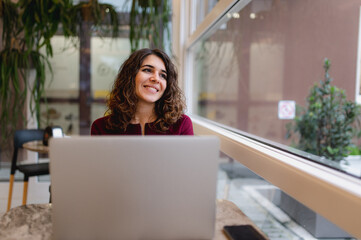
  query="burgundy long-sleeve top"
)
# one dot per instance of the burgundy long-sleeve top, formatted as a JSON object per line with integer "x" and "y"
{"x": 182, "y": 127}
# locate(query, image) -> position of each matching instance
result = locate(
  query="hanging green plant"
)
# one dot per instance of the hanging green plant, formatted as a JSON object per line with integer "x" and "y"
{"x": 19, "y": 54}
{"x": 103, "y": 17}
{"x": 15, "y": 84}
{"x": 326, "y": 126}
{"x": 41, "y": 20}
{"x": 149, "y": 24}
{"x": 28, "y": 27}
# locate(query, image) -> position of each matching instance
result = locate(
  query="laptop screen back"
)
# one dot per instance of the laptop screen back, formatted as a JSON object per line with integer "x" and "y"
{"x": 134, "y": 187}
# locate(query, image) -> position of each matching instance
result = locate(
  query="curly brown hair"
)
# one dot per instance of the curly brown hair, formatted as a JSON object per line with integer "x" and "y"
{"x": 122, "y": 101}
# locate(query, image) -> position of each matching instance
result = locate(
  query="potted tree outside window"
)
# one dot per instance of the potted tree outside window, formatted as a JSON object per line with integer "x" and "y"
{"x": 326, "y": 127}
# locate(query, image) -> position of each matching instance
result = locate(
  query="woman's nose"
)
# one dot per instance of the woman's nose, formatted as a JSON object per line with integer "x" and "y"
{"x": 155, "y": 77}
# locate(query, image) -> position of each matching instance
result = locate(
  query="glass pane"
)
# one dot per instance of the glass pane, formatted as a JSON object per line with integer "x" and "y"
{"x": 97, "y": 110}
{"x": 106, "y": 57}
{"x": 203, "y": 7}
{"x": 62, "y": 91}
{"x": 278, "y": 215}
{"x": 62, "y": 88}
{"x": 65, "y": 66}
{"x": 249, "y": 72}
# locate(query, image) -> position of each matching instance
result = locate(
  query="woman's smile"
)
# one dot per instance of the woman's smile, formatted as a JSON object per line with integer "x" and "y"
{"x": 152, "y": 88}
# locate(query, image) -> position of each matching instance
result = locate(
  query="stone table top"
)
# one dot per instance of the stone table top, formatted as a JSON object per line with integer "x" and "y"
{"x": 33, "y": 221}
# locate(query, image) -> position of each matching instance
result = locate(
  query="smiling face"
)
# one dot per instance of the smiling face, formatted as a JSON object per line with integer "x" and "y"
{"x": 151, "y": 80}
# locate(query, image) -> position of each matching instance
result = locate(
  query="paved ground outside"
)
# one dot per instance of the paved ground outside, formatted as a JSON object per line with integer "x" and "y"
{"x": 247, "y": 190}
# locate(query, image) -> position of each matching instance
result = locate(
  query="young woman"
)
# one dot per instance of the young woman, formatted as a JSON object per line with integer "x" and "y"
{"x": 145, "y": 99}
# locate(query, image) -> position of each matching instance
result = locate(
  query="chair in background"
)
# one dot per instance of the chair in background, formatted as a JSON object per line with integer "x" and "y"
{"x": 29, "y": 170}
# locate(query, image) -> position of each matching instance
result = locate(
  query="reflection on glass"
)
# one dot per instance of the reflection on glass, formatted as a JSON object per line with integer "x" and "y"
{"x": 272, "y": 51}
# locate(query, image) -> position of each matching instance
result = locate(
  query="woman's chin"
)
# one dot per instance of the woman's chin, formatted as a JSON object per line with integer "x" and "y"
{"x": 149, "y": 100}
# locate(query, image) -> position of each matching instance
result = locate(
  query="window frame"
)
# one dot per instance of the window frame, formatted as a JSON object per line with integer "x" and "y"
{"x": 334, "y": 195}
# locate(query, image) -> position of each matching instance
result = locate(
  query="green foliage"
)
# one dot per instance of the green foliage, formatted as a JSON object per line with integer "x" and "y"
{"x": 354, "y": 150}
{"x": 103, "y": 17}
{"x": 28, "y": 26}
{"x": 41, "y": 20}
{"x": 24, "y": 33}
{"x": 325, "y": 126}
{"x": 149, "y": 20}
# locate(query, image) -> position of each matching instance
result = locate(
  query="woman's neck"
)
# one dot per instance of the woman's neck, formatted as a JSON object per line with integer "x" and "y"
{"x": 144, "y": 114}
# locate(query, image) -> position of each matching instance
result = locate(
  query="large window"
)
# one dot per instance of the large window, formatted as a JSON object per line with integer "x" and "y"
{"x": 271, "y": 53}
{"x": 247, "y": 57}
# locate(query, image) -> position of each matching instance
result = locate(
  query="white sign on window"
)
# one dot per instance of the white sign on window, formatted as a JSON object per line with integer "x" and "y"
{"x": 286, "y": 109}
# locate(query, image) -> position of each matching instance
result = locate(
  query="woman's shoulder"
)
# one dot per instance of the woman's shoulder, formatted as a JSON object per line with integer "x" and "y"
{"x": 183, "y": 126}
{"x": 182, "y": 120}
{"x": 185, "y": 118}
{"x": 99, "y": 126}
{"x": 101, "y": 120}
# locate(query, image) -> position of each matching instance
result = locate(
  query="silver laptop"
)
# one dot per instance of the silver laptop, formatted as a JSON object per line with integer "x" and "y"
{"x": 134, "y": 187}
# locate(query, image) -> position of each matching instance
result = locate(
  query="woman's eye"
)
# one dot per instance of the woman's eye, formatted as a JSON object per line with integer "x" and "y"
{"x": 164, "y": 76}
{"x": 146, "y": 70}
